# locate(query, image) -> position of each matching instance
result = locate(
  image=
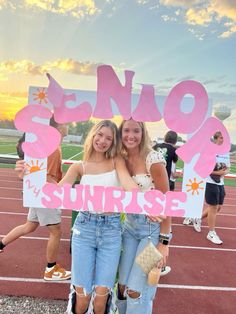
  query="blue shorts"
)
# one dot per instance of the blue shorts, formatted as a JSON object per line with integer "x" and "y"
{"x": 135, "y": 238}
{"x": 96, "y": 247}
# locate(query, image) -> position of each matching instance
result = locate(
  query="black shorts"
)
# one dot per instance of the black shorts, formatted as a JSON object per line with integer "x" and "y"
{"x": 172, "y": 185}
{"x": 214, "y": 194}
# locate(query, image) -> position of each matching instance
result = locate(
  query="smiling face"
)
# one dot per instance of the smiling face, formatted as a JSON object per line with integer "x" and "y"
{"x": 131, "y": 134}
{"x": 218, "y": 138}
{"x": 103, "y": 140}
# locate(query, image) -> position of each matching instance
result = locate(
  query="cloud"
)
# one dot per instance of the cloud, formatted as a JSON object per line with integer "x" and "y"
{"x": 229, "y": 32}
{"x": 166, "y": 18}
{"x": 198, "y": 16}
{"x": 76, "y": 8}
{"x": 180, "y": 3}
{"x": 224, "y": 8}
{"x": 201, "y": 13}
{"x": 28, "y": 67}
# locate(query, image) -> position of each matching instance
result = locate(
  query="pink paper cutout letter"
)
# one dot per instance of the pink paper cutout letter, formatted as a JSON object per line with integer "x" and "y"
{"x": 48, "y": 138}
{"x": 180, "y": 121}
{"x": 171, "y": 208}
{"x": 94, "y": 196}
{"x": 62, "y": 113}
{"x": 146, "y": 109}
{"x": 200, "y": 143}
{"x": 133, "y": 207}
{"x": 154, "y": 197}
{"x": 77, "y": 204}
{"x": 113, "y": 203}
{"x": 54, "y": 201}
{"x": 109, "y": 86}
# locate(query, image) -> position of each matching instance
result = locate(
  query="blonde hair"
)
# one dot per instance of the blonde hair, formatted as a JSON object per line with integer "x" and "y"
{"x": 145, "y": 144}
{"x": 88, "y": 144}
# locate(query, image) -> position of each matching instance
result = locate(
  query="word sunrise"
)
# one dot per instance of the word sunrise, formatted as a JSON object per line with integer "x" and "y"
{"x": 103, "y": 199}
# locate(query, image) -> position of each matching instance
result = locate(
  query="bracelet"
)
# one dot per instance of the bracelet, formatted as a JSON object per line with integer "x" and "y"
{"x": 164, "y": 236}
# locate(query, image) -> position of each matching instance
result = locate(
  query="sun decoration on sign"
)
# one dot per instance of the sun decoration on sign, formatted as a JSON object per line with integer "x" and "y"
{"x": 194, "y": 186}
{"x": 34, "y": 166}
{"x": 41, "y": 95}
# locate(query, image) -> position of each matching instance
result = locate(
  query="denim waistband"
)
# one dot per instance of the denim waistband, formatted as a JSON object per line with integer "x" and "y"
{"x": 105, "y": 217}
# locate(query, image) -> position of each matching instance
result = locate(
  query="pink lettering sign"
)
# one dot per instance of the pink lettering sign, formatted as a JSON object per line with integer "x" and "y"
{"x": 200, "y": 143}
{"x": 47, "y": 137}
{"x": 178, "y": 120}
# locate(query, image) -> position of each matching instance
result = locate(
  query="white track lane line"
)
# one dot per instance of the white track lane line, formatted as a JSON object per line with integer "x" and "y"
{"x": 189, "y": 287}
{"x": 191, "y": 226}
{"x": 201, "y": 248}
{"x": 171, "y": 246}
{"x": 164, "y": 286}
{"x": 36, "y": 238}
{"x": 26, "y": 214}
{"x": 7, "y": 188}
{"x": 31, "y": 280}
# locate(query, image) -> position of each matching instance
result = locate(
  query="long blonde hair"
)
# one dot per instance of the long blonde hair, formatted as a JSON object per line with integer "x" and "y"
{"x": 88, "y": 144}
{"x": 145, "y": 144}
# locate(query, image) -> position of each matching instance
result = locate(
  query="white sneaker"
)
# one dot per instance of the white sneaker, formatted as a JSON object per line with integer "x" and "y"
{"x": 197, "y": 224}
{"x": 165, "y": 270}
{"x": 188, "y": 221}
{"x": 213, "y": 237}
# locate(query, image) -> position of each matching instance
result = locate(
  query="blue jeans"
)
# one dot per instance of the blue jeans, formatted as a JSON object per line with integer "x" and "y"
{"x": 96, "y": 247}
{"x": 135, "y": 237}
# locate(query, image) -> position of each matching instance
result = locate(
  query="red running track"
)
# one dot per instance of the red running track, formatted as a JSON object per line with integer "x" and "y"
{"x": 203, "y": 276}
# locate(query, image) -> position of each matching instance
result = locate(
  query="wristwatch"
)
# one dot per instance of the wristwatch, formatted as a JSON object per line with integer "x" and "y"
{"x": 164, "y": 241}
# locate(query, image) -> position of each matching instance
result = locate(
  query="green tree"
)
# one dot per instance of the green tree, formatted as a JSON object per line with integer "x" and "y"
{"x": 81, "y": 128}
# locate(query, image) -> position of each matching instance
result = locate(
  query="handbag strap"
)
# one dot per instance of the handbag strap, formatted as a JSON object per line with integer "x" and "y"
{"x": 150, "y": 229}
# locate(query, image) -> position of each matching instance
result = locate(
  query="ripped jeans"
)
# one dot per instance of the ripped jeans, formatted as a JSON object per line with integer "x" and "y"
{"x": 96, "y": 247}
{"x": 135, "y": 237}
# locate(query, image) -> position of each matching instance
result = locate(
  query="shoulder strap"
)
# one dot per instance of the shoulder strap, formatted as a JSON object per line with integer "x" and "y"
{"x": 113, "y": 163}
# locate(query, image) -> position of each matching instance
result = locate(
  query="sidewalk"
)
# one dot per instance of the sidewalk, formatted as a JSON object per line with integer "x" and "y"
{"x": 27, "y": 305}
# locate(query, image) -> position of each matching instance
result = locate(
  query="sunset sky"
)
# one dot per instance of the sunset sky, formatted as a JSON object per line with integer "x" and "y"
{"x": 164, "y": 42}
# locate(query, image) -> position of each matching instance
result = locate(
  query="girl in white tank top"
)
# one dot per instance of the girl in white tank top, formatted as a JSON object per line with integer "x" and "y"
{"x": 96, "y": 240}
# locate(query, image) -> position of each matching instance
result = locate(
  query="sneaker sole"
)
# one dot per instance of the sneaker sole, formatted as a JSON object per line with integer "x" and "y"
{"x": 164, "y": 273}
{"x": 56, "y": 279}
{"x": 214, "y": 242}
{"x": 196, "y": 229}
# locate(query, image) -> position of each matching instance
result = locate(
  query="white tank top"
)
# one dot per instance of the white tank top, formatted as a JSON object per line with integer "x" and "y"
{"x": 105, "y": 179}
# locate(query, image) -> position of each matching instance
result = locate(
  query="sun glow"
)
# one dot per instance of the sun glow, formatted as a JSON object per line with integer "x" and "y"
{"x": 194, "y": 186}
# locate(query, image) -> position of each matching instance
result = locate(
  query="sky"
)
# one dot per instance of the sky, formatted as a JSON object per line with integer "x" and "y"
{"x": 164, "y": 42}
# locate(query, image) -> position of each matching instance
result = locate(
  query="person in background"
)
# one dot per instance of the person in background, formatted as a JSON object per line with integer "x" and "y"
{"x": 51, "y": 218}
{"x": 214, "y": 194}
{"x": 19, "y": 150}
{"x": 168, "y": 148}
{"x": 148, "y": 169}
{"x": 174, "y": 175}
{"x": 215, "y": 191}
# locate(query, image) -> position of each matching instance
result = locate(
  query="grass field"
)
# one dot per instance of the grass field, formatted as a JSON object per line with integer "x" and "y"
{"x": 69, "y": 151}
{"x": 75, "y": 152}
